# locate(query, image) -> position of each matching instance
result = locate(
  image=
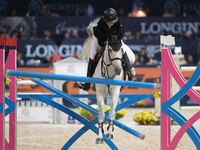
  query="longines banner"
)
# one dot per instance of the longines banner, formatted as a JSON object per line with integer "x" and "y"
{"x": 154, "y": 26}
{"x": 145, "y": 26}
{"x": 38, "y": 49}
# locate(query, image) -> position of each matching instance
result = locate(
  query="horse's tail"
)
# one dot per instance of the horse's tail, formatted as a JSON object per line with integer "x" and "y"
{"x": 87, "y": 44}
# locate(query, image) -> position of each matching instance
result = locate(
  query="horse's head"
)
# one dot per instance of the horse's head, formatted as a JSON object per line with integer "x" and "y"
{"x": 113, "y": 53}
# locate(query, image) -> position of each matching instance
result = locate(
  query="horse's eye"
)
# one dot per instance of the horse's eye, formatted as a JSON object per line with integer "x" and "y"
{"x": 110, "y": 50}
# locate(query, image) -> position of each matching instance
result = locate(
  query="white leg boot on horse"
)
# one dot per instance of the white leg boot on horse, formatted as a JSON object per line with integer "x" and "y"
{"x": 100, "y": 133}
{"x": 101, "y": 116}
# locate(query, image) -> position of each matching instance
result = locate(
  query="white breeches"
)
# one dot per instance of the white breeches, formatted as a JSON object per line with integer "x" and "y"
{"x": 94, "y": 48}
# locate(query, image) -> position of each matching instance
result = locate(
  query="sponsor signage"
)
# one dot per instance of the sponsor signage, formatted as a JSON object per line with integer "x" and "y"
{"x": 38, "y": 49}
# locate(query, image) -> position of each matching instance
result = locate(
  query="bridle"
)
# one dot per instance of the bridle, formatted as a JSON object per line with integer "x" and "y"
{"x": 105, "y": 66}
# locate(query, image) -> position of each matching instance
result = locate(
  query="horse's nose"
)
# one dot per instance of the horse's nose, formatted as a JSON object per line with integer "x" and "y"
{"x": 117, "y": 70}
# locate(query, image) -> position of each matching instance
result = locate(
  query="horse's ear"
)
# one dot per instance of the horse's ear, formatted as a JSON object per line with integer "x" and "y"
{"x": 114, "y": 38}
{"x": 115, "y": 43}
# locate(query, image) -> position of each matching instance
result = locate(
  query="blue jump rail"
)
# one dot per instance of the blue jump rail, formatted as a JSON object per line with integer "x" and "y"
{"x": 26, "y": 95}
{"x": 82, "y": 79}
{"x": 85, "y": 106}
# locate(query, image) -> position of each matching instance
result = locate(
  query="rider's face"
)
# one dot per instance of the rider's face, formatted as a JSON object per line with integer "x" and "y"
{"x": 109, "y": 24}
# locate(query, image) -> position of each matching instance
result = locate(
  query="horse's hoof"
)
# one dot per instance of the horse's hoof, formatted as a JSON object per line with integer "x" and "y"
{"x": 109, "y": 136}
{"x": 99, "y": 141}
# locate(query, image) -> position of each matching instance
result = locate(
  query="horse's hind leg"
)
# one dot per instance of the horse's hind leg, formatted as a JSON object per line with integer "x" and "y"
{"x": 101, "y": 115}
{"x": 114, "y": 102}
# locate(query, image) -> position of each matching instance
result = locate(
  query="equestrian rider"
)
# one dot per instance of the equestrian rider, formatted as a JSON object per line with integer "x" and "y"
{"x": 107, "y": 26}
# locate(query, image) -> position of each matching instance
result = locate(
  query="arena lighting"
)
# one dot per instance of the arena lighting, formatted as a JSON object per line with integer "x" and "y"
{"x": 140, "y": 13}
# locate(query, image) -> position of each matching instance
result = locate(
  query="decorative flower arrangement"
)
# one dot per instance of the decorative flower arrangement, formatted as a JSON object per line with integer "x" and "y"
{"x": 148, "y": 102}
{"x": 90, "y": 116}
{"x": 147, "y": 118}
{"x": 120, "y": 114}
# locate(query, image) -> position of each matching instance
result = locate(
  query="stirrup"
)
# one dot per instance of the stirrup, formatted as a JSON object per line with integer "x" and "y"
{"x": 133, "y": 71}
{"x": 84, "y": 86}
{"x": 132, "y": 77}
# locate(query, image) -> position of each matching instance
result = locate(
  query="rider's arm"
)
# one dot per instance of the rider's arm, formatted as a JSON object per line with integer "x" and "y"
{"x": 101, "y": 32}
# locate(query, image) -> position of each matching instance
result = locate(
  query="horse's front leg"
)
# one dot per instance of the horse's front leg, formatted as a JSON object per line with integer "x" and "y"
{"x": 101, "y": 115}
{"x": 113, "y": 105}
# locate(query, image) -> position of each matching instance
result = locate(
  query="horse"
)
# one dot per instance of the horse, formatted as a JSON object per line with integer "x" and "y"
{"x": 110, "y": 67}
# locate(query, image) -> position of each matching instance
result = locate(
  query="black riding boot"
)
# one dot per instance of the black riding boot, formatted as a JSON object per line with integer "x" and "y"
{"x": 90, "y": 71}
{"x": 127, "y": 67}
